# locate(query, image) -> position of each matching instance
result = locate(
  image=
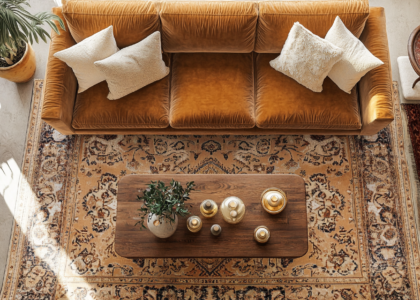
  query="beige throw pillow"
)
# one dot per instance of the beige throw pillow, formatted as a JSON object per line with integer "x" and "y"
{"x": 306, "y": 58}
{"x": 356, "y": 61}
{"x": 133, "y": 67}
{"x": 81, "y": 57}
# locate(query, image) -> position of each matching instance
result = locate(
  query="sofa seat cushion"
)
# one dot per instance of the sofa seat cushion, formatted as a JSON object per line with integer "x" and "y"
{"x": 145, "y": 108}
{"x": 212, "y": 90}
{"x": 282, "y": 103}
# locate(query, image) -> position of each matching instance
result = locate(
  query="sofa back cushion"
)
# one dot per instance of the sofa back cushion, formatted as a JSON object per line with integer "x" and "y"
{"x": 276, "y": 18}
{"x": 132, "y": 20}
{"x": 208, "y": 26}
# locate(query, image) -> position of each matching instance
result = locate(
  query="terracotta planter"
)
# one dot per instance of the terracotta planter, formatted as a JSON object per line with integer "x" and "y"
{"x": 23, "y": 70}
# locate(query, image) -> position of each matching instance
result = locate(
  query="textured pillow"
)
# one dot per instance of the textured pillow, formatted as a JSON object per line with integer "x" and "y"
{"x": 133, "y": 67}
{"x": 81, "y": 57}
{"x": 356, "y": 61}
{"x": 306, "y": 58}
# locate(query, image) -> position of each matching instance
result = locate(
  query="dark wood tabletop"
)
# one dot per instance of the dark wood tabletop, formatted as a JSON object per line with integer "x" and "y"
{"x": 289, "y": 234}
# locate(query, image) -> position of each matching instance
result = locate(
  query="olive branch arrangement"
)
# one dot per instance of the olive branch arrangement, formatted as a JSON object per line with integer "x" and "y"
{"x": 164, "y": 201}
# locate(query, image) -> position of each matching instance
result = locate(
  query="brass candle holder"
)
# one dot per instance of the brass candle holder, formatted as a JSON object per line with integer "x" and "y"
{"x": 233, "y": 210}
{"x": 273, "y": 200}
{"x": 208, "y": 208}
{"x": 262, "y": 234}
{"x": 194, "y": 224}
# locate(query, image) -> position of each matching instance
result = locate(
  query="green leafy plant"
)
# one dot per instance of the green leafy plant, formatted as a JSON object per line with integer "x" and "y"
{"x": 18, "y": 26}
{"x": 164, "y": 201}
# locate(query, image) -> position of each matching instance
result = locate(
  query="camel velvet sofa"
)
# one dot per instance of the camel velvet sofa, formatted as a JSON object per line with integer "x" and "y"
{"x": 220, "y": 80}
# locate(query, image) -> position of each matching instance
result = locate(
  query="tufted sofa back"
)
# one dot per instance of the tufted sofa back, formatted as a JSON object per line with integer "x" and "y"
{"x": 211, "y": 26}
{"x": 132, "y": 20}
{"x": 276, "y": 18}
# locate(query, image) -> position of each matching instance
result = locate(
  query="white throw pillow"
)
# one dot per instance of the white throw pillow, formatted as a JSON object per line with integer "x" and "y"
{"x": 306, "y": 58}
{"x": 134, "y": 67}
{"x": 81, "y": 57}
{"x": 356, "y": 61}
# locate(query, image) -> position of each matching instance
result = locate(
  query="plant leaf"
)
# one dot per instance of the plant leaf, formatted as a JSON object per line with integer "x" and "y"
{"x": 18, "y": 25}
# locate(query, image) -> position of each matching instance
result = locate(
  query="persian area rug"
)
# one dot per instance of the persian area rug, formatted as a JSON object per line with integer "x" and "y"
{"x": 362, "y": 235}
{"x": 413, "y": 115}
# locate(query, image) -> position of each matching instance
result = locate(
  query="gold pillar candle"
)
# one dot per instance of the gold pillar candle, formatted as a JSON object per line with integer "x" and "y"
{"x": 273, "y": 200}
{"x": 208, "y": 208}
{"x": 194, "y": 224}
{"x": 233, "y": 210}
{"x": 216, "y": 229}
{"x": 261, "y": 234}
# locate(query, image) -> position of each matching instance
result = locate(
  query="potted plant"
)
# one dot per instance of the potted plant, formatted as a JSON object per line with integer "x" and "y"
{"x": 162, "y": 205}
{"x": 18, "y": 29}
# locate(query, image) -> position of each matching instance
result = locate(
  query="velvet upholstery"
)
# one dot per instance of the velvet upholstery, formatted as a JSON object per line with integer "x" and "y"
{"x": 60, "y": 83}
{"x": 281, "y": 102}
{"x": 212, "y": 90}
{"x": 132, "y": 20}
{"x": 219, "y": 93}
{"x": 208, "y": 26}
{"x": 145, "y": 108}
{"x": 235, "y": 131}
{"x": 375, "y": 88}
{"x": 276, "y": 18}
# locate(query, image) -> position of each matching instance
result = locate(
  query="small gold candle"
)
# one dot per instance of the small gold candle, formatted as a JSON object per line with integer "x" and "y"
{"x": 273, "y": 200}
{"x": 208, "y": 208}
{"x": 194, "y": 224}
{"x": 262, "y": 234}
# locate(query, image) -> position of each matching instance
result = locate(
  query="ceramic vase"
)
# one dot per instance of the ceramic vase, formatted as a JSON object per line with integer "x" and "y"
{"x": 162, "y": 230}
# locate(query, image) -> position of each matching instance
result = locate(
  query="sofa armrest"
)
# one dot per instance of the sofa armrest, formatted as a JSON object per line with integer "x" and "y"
{"x": 60, "y": 84}
{"x": 375, "y": 88}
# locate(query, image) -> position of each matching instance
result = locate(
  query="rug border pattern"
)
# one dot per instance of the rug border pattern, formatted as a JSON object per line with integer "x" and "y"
{"x": 406, "y": 204}
{"x": 24, "y": 192}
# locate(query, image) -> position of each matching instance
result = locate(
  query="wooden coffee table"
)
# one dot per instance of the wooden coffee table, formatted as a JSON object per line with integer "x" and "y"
{"x": 289, "y": 234}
